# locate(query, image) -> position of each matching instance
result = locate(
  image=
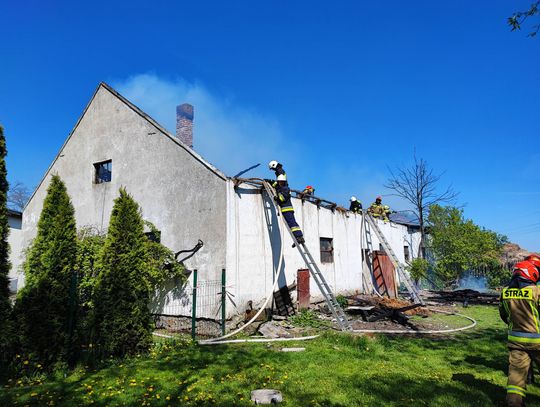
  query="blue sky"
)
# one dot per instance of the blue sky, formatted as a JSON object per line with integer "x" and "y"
{"x": 338, "y": 91}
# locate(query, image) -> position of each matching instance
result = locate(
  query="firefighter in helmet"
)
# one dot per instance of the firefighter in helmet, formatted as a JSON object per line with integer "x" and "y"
{"x": 377, "y": 209}
{"x": 356, "y": 205}
{"x": 519, "y": 308}
{"x": 308, "y": 191}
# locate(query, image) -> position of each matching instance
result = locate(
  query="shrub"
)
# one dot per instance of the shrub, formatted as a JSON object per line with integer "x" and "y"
{"x": 122, "y": 319}
{"x": 418, "y": 269}
{"x": 43, "y": 308}
{"x": 6, "y": 327}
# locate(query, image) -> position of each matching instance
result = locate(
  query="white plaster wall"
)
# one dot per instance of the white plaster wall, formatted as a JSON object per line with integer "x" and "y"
{"x": 15, "y": 246}
{"x": 253, "y": 248}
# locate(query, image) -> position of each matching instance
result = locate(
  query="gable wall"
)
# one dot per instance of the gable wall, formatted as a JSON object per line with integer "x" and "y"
{"x": 176, "y": 192}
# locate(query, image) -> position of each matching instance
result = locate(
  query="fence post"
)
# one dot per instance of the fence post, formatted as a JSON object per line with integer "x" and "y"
{"x": 223, "y": 300}
{"x": 194, "y": 306}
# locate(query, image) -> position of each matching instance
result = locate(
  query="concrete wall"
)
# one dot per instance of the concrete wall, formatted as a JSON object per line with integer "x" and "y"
{"x": 255, "y": 244}
{"x": 182, "y": 195}
{"x": 15, "y": 245}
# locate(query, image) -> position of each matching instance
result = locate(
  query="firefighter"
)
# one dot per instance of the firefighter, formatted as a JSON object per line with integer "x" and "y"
{"x": 376, "y": 209}
{"x": 277, "y": 168}
{"x": 356, "y": 205}
{"x": 519, "y": 308}
{"x": 283, "y": 198}
{"x": 308, "y": 191}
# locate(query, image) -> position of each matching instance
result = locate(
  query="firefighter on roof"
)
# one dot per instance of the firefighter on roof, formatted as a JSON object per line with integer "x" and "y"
{"x": 308, "y": 191}
{"x": 376, "y": 209}
{"x": 356, "y": 205}
{"x": 519, "y": 308}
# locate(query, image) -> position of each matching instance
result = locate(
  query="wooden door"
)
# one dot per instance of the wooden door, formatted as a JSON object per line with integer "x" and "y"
{"x": 384, "y": 274}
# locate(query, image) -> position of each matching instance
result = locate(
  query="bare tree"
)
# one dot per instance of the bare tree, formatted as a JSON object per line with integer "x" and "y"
{"x": 18, "y": 196}
{"x": 418, "y": 185}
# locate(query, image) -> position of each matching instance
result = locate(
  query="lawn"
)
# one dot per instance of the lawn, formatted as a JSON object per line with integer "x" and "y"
{"x": 466, "y": 369}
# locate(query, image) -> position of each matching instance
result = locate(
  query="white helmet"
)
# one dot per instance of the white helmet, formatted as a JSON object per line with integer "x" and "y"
{"x": 272, "y": 165}
{"x": 353, "y": 198}
{"x": 282, "y": 177}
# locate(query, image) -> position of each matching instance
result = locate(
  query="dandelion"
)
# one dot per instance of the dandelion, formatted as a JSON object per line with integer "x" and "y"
{"x": 33, "y": 395}
{"x": 25, "y": 362}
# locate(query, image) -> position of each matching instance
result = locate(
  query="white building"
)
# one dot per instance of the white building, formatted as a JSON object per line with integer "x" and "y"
{"x": 15, "y": 245}
{"x": 115, "y": 144}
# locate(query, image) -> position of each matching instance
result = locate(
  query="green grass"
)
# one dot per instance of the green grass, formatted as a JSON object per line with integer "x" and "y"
{"x": 466, "y": 369}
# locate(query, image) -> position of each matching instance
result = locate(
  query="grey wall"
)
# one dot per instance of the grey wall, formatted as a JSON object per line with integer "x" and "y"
{"x": 182, "y": 195}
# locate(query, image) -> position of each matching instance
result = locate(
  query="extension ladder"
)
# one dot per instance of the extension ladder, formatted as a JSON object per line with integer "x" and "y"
{"x": 314, "y": 270}
{"x": 372, "y": 224}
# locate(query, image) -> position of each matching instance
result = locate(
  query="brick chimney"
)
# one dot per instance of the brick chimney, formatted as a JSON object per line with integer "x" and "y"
{"x": 184, "y": 123}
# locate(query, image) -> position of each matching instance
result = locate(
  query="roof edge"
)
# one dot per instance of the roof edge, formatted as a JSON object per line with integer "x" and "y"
{"x": 63, "y": 145}
{"x": 140, "y": 113}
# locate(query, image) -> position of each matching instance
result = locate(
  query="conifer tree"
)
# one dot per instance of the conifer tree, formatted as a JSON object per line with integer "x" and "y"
{"x": 42, "y": 309}
{"x": 122, "y": 318}
{"x": 5, "y": 305}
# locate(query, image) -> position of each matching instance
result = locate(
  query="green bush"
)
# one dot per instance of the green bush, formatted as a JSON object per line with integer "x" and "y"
{"x": 6, "y": 327}
{"x": 122, "y": 319}
{"x": 306, "y": 318}
{"x": 342, "y": 301}
{"x": 43, "y": 307}
{"x": 418, "y": 269}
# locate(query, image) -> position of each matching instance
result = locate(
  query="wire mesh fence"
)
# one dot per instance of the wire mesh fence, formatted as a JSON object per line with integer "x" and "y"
{"x": 199, "y": 310}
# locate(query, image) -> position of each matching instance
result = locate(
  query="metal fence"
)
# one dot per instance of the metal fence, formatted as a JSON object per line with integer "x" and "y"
{"x": 199, "y": 310}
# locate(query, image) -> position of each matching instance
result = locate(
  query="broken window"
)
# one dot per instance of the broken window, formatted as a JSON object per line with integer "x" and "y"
{"x": 327, "y": 250}
{"x": 406, "y": 253}
{"x": 103, "y": 172}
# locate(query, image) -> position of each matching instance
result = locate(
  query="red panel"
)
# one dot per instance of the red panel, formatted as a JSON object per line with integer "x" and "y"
{"x": 384, "y": 274}
{"x": 303, "y": 288}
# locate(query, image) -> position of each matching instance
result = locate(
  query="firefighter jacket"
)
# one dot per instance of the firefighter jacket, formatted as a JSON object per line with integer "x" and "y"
{"x": 283, "y": 197}
{"x": 518, "y": 307}
{"x": 356, "y": 207}
{"x": 376, "y": 210}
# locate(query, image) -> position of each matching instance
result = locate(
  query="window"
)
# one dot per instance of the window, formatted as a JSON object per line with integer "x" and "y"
{"x": 154, "y": 236}
{"x": 103, "y": 172}
{"x": 406, "y": 253}
{"x": 327, "y": 250}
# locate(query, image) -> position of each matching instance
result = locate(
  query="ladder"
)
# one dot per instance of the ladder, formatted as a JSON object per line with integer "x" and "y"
{"x": 388, "y": 249}
{"x": 377, "y": 278}
{"x": 314, "y": 270}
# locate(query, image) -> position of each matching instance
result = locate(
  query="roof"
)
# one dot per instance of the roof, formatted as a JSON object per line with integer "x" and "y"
{"x": 404, "y": 218}
{"x": 145, "y": 116}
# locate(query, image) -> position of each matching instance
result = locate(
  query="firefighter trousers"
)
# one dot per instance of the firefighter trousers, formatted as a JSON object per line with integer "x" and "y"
{"x": 291, "y": 221}
{"x": 519, "y": 362}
